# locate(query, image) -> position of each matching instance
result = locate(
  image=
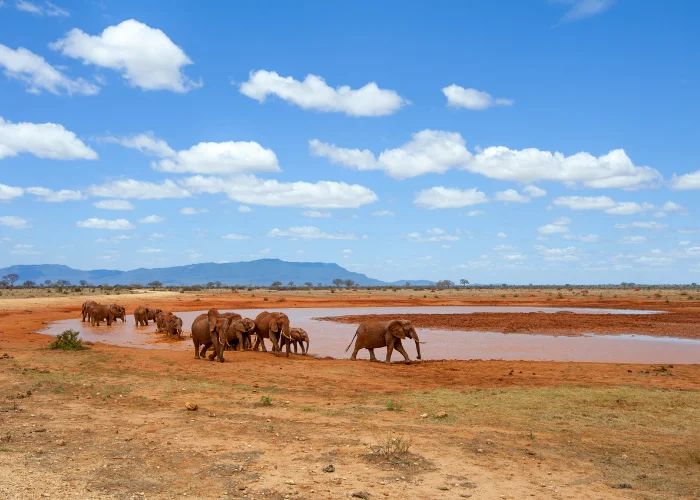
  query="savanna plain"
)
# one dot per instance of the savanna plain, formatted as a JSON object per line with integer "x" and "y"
{"x": 113, "y": 422}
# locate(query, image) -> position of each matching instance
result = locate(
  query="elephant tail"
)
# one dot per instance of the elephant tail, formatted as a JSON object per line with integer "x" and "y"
{"x": 351, "y": 341}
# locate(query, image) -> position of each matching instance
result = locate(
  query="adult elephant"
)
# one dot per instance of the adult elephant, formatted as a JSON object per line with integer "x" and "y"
{"x": 141, "y": 316}
{"x": 121, "y": 314}
{"x": 238, "y": 333}
{"x": 275, "y": 326}
{"x": 99, "y": 313}
{"x": 173, "y": 326}
{"x": 207, "y": 331}
{"x": 299, "y": 336}
{"x": 372, "y": 335}
{"x": 152, "y": 312}
{"x": 87, "y": 306}
{"x": 160, "y": 320}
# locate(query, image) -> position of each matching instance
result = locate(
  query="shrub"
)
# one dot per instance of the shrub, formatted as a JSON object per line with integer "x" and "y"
{"x": 394, "y": 405}
{"x": 265, "y": 401}
{"x": 391, "y": 448}
{"x": 281, "y": 299}
{"x": 68, "y": 341}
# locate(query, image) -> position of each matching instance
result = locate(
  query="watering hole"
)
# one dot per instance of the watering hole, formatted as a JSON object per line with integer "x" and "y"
{"x": 331, "y": 339}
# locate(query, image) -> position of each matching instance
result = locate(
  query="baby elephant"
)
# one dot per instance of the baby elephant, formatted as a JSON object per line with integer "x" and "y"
{"x": 299, "y": 336}
{"x": 172, "y": 326}
{"x": 374, "y": 334}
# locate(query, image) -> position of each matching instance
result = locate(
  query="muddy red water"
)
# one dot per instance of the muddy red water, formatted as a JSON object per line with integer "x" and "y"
{"x": 331, "y": 339}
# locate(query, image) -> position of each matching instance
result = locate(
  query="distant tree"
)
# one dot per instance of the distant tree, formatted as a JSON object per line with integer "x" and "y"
{"x": 463, "y": 282}
{"x": 210, "y": 284}
{"x": 11, "y": 278}
{"x": 290, "y": 284}
{"x": 407, "y": 284}
{"x": 338, "y": 282}
{"x": 320, "y": 285}
{"x": 276, "y": 284}
{"x": 155, "y": 284}
{"x": 83, "y": 283}
{"x": 29, "y": 284}
{"x": 349, "y": 283}
{"x": 217, "y": 284}
{"x": 445, "y": 283}
{"x": 62, "y": 283}
{"x": 309, "y": 284}
{"x": 4, "y": 283}
{"x": 47, "y": 282}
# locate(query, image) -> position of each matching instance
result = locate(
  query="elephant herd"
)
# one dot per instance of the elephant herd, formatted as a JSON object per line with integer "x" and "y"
{"x": 222, "y": 331}
{"x": 230, "y": 330}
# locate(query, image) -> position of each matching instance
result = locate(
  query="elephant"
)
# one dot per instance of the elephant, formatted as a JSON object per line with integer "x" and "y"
{"x": 122, "y": 313}
{"x": 299, "y": 336}
{"x": 207, "y": 330}
{"x": 270, "y": 325}
{"x": 173, "y": 326}
{"x": 160, "y": 320}
{"x": 143, "y": 314}
{"x": 238, "y": 333}
{"x": 151, "y": 313}
{"x": 99, "y": 313}
{"x": 374, "y": 334}
{"x": 87, "y": 306}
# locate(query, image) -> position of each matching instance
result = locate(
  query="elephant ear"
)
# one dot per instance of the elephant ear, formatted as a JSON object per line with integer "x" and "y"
{"x": 274, "y": 326}
{"x": 396, "y": 328}
{"x": 213, "y": 315}
{"x": 239, "y": 326}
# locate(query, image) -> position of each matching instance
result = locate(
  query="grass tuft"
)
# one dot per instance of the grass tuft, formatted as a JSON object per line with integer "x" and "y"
{"x": 68, "y": 341}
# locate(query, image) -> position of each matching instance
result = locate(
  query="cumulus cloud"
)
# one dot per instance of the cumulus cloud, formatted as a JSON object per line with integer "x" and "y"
{"x": 41, "y": 9}
{"x": 14, "y": 222}
{"x": 145, "y": 56}
{"x": 157, "y": 236}
{"x": 95, "y": 223}
{"x": 588, "y": 238}
{"x": 152, "y": 219}
{"x": 460, "y": 97}
{"x": 255, "y": 191}
{"x": 475, "y": 213}
{"x": 150, "y": 250}
{"x": 581, "y": 9}
{"x": 315, "y": 214}
{"x": 244, "y": 209}
{"x": 314, "y": 93}
{"x": 557, "y": 254}
{"x": 43, "y": 140}
{"x": 633, "y": 240}
{"x": 435, "y": 151}
{"x": 48, "y": 195}
{"x": 671, "y": 208}
{"x": 552, "y": 229}
{"x": 686, "y": 182}
{"x": 603, "y": 203}
{"x": 114, "y": 205}
{"x": 203, "y": 158}
{"x": 442, "y": 197}
{"x": 22, "y": 249}
{"x": 534, "y": 191}
{"x": 642, "y": 225}
{"x": 308, "y": 233}
{"x": 7, "y": 193}
{"x": 502, "y": 235}
{"x": 431, "y": 235}
{"x": 383, "y": 213}
{"x": 511, "y": 195}
{"x": 38, "y": 75}
{"x": 193, "y": 211}
{"x": 140, "y": 190}
{"x": 233, "y": 236}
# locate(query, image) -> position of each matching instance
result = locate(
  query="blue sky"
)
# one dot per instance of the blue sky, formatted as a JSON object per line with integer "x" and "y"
{"x": 498, "y": 141}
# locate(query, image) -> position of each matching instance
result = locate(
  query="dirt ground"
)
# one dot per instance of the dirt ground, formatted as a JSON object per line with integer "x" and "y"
{"x": 111, "y": 422}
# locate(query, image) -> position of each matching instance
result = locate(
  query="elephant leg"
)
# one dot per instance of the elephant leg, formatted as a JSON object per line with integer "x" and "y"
{"x": 196, "y": 350}
{"x": 403, "y": 352}
{"x": 203, "y": 352}
{"x": 372, "y": 357}
{"x": 389, "y": 352}
{"x": 295, "y": 347}
{"x": 275, "y": 344}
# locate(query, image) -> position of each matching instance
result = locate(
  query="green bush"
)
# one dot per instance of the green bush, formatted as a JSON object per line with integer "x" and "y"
{"x": 68, "y": 341}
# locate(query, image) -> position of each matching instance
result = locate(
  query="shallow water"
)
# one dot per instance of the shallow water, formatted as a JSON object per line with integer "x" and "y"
{"x": 331, "y": 339}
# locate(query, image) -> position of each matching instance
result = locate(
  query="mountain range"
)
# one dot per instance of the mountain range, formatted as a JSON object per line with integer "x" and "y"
{"x": 261, "y": 272}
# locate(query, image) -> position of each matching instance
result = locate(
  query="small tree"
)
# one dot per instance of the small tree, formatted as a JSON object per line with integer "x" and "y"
{"x": 47, "y": 282}
{"x": 290, "y": 284}
{"x": 338, "y": 282}
{"x": 62, "y": 283}
{"x": 407, "y": 284}
{"x": 11, "y": 278}
{"x": 349, "y": 283}
{"x": 320, "y": 285}
{"x": 463, "y": 282}
{"x": 29, "y": 284}
{"x": 309, "y": 284}
{"x": 155, "y": 284}
{"x": 83, "y": 283}
{"x": 276, "y": 284}
{"x": 445, "y": 284}
{"x": 210, "y": 284}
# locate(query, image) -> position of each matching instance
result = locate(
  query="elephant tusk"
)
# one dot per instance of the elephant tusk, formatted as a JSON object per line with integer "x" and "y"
{"x": 422, "y": 342}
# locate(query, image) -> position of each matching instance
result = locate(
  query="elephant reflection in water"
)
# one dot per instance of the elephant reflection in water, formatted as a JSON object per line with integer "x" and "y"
{"x": 372, "y": 335}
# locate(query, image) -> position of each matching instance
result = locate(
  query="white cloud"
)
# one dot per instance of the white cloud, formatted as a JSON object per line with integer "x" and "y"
{"x": 516, "y": 257}
{"x": 110, "y": 256}
{"x": 47, "y": 9}
{"x": 244, "y": 209}
{"x": 654, "y": 261}
{"x": 502, "y": 235}
{"x": 150, "y": 250}
{"x": 315, "y": 214}
{"x": 562, "y": 221}
{"x": 588, "y": 238}
{"x": 642, "y": 225}
{"x": 684, "y": 243}
{"x": 557, "y": 254}
{"x": 157, "y": 236}
{"x": 21, "y": 249}
{"x": 43, "y": 140}
{"x": 445, "y": 246}
{"x": 47, "y": 195}
{"x": 686, "y": 182}
{"x": 436, "y": 230}
{"x": 115, "y": 239}
{"x": 581, "y": 9}
{"x": 140, "y": 190}
{"x": 671, "y": 208}
{"x": 14, "y": 222}
{"x": 9, "y": 192}
{"x": 459, "y": 97}
{"x": 435, "y": 151}
{"x": 604, "y": 203}
{"x": 633, "y": 240}
{"x": 144, "y": 56}
{"x": 315, "y": 93}
{"x": 475, "y": 213}
{"x": 552, "y": 229}
{"x": 114, "y": 205}
{"x": 39, "y": 75}
{"x": 534, "y": 191}
{"x": 428, "y": 151}
{"x": 193, "y": 211}
{"x": 147, "y": 143}
{"x": 442, "y": 197}
{"x": 95, "y": 223}
{"x": 255, "y": 191}
{"x": 383, "y": 213}
{"x": 152, "y": 219}
{"x": 233, "y": 236}
{"x": 431, "y": 235}
{"x": 511, "y": 195}
{"x": 308, "y": 233}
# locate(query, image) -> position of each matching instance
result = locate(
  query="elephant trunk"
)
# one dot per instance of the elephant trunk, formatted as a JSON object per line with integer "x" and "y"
{"x": 418, "y": 349}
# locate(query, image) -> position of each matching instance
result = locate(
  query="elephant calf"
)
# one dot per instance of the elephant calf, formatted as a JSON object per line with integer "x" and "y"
{"x": 172, "y": 326}
{"x": 299, "y": 336}
{"x": 143, "y": 314}
{"x": 375, "y": 334}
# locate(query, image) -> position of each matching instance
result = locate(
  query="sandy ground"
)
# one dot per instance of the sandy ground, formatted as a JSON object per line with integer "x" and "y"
{"x": 111, "y": 422}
